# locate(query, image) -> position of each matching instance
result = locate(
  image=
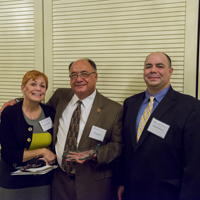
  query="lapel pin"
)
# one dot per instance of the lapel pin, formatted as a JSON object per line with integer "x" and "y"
{"x": 98, "y": 109}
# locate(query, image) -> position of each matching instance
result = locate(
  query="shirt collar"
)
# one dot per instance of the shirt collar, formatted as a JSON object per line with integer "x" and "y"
{"x": 158, "y": 97}
{"x": 85, "y": 102}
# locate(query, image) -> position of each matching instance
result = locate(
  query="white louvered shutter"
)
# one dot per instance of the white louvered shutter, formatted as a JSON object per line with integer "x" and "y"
{"x": 118, "y": 35}
{"x": 17, "y": 45}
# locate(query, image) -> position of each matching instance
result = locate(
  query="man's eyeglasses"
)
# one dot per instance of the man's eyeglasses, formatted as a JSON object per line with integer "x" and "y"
{"x": 82, "y": 75}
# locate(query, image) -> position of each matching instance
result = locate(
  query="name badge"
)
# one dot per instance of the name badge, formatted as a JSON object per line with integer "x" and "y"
{"x": 46, "y": 124}
{"x": 158, "y": 128}
{"x": 97, "y": 133}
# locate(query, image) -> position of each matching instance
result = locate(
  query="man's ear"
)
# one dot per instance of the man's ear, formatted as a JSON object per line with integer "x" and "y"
{"x": 171, "y": 70}
{"x": 96, "y": 76}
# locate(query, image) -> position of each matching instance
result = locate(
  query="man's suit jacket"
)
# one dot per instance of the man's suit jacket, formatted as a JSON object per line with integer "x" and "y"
{"x": 93, "y": 179}
{"x": 157, "y": 168}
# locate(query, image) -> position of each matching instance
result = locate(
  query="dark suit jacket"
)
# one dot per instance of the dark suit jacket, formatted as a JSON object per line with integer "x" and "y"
{"x": 94, "y": 182}
{"x": 15, "y": 136}
{"x": 157, "y": 168}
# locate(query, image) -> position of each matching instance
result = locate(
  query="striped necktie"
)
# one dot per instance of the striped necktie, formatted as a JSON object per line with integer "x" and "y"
{"x": 146, "y": 114}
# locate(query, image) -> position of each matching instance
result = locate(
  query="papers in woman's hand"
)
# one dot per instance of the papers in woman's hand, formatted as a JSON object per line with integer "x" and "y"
{"x": 34, "y": 171}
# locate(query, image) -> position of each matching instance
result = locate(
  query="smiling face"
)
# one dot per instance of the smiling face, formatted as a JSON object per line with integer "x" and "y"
{"x": 83, "y": 87}
{"x": 157, "y": 72}
{"x": 35, "y": 89}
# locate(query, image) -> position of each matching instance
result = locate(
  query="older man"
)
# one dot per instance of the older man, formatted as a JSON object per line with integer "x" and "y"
{"x": 90, "y": 179}
{"x": 161, "y": 128}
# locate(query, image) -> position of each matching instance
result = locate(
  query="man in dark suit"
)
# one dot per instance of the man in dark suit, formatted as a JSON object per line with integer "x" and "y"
{"x": 92, "y": 178}
{"x": 161, "y": 155}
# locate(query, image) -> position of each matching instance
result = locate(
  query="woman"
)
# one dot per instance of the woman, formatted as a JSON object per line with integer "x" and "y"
{"x": 26, "y": 134}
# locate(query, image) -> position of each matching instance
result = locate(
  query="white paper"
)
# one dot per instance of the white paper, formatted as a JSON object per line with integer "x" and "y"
{"x": 46, "y": 124}
{"x": 97, "y": 133}
{"x": 158, "y": 128}
{"x": 39, "y": 170}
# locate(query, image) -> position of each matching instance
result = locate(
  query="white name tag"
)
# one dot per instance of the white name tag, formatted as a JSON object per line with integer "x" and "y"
{"x": 158, "y": 128}
{"x": 97, "y": 133}
{"x": 46, "y": 124}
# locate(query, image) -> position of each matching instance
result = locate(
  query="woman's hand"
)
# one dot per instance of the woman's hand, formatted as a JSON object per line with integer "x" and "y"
{"x": 48, "y": 155}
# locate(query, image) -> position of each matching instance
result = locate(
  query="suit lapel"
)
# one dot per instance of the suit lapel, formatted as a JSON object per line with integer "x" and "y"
{"x": 95, "y": 114}
{"x": 167, "y": 103}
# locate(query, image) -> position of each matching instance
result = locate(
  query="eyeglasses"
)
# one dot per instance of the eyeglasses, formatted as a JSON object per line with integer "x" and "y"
{"x": 82, "y": 75}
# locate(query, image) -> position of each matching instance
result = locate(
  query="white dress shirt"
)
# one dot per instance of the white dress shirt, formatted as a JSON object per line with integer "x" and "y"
{"x": 64, "y": 122}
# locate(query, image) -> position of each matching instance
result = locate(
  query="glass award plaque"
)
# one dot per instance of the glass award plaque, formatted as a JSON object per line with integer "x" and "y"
{"x": 81, "y": 155}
